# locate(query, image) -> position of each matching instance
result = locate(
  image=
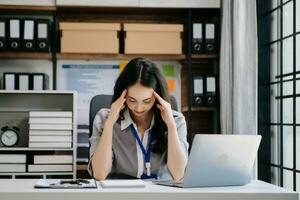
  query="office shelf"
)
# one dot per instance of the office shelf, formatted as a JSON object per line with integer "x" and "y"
{"x": 83, "y": 56}
{"x": 86, "y": 56}
{"x": 25, "y": 101}
{"x": 204, "y": 56}
{"x": 26, "y": 55}
{"x": 195, "y": 109}
{"x": 27, "y": 8}
{"x": 83, "y": 145}
{"x": 82, "y": 167}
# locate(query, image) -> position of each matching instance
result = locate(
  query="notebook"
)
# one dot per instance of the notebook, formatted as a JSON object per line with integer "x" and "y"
{"x": 219, "y": 160}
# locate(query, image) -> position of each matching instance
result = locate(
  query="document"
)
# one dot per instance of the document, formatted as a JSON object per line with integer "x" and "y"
{"x": 128, "y": 183}
{"x": 66, "y": 184}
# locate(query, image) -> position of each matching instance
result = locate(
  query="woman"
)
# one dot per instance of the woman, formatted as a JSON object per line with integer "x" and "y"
{"x": 140, "y": 135}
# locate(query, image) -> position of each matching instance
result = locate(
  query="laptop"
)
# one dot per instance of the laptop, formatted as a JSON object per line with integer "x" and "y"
{"x": 219, "y": 160}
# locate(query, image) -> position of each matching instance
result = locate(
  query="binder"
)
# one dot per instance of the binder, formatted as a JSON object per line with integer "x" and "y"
{"x": 210, "y": 91}
{"x": 14, "y": 39}
{"x": 28, "y": 42}
{"x": 210, "y": 45}
{"x": 198, "y": 91}
{"x": 42, "y": 35}
{"x": 38, "y": 81}
{"x": 3, "y": 35}
{"x": 9, "y": 81}
{"x": 23, "y": 81}
{"x": 197, "y": 38}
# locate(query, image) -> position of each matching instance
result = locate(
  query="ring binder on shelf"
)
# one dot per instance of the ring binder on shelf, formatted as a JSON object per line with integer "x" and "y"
{"x": 23, "y": 81}
{"x": 197, "y": 38}
{"x": 28, "y": 43}
{"x": 3, "y": 35}
{"x": 14, "y": 39}
{"x": 9, "y": 81}
{"x": 210, "y": 91}
{"x": 43, "y": 35}
{"x": 198, "y": 91}
{"x": 39, "y": 81}
{"x": 210, "y": 46}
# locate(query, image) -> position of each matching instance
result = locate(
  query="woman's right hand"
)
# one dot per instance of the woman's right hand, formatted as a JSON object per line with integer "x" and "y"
{"x": 116, "y": 107}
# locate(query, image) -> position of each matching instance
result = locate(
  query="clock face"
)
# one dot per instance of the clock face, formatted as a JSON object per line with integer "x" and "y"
{"x": 9, "y": 138}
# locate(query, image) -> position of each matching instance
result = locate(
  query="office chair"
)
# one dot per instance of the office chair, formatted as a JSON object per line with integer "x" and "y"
{"x": 104, "y": 101}
{"x": 98, "y": 102}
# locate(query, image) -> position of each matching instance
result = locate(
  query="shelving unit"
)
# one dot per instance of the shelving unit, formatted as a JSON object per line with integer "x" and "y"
{"x": 199, "y": 119}
{"x": 15, "y": 102}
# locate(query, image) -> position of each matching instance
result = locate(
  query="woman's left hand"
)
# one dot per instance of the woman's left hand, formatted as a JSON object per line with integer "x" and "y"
{"x": 165, "y": 110}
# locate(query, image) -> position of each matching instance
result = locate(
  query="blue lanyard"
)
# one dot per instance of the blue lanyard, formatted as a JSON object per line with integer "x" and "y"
{"x": 145, "y": 152}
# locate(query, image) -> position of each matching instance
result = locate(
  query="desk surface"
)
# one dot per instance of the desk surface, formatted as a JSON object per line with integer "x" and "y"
{"x": 22, "y": 189}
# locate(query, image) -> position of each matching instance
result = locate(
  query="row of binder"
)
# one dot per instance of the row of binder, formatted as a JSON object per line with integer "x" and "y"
{"x": 24, "y": 81}
{"x": 24, "y": 35}
{"x": 204, "y": 38}
{"x": 204, "y": 91}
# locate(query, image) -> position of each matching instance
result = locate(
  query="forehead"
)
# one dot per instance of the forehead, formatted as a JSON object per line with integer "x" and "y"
{"x": 139, "y": 91}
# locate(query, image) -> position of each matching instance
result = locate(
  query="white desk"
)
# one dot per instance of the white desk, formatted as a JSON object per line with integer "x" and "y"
{"x": 22, "y": 189}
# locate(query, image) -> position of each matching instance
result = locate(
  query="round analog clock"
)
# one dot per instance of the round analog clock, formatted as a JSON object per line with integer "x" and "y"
{"x": 9, "y": 136}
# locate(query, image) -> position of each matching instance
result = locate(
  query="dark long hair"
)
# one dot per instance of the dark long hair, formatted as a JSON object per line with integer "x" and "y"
{"x": 149, "y": 75}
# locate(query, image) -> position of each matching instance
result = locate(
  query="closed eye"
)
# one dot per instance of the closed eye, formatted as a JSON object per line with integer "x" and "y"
{"x": 132, "y": 99}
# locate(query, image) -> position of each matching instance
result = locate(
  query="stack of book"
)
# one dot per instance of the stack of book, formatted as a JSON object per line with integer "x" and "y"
{"x": 51, "y": 163}
{"x": 12, "y": 163}
{"x": 50, "y": 129}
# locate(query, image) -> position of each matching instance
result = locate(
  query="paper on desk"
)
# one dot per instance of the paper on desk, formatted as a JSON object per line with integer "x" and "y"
{"x": 135, "y": 183}
{"x": 55, "y": 183}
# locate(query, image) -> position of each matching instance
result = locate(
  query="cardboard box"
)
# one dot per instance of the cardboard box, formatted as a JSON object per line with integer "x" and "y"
{"x": 79, "y": 37}
{"x": 153, "y": 38}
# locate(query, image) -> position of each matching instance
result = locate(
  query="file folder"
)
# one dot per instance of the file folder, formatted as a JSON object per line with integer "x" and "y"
{"x": 198, "y": 91}
{"x": 43, "y": 35}
{"x": 14, "y": 40}
{"x": 3, "y": 35}
{"x": 38, "y": 81}
{"x": 210, "y": 46}
{"x": 9, "y": 81}
{"x": 210, "y": 91}
{"x": 23, "y": 81}
{"x": 197, "y": 38}
{"x": 28, "y": 43}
